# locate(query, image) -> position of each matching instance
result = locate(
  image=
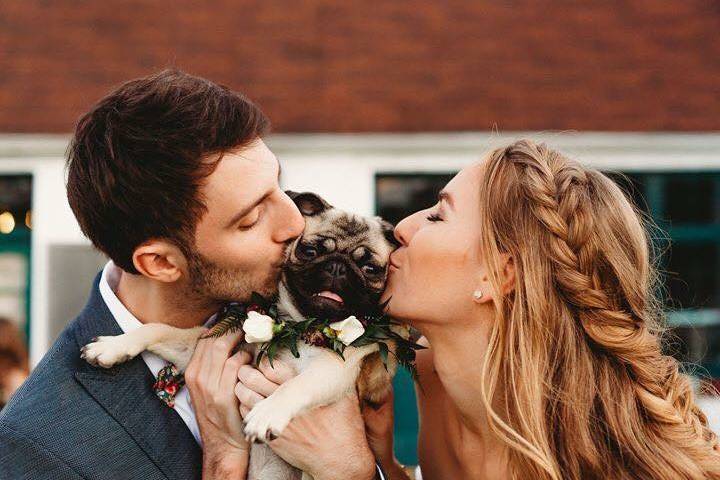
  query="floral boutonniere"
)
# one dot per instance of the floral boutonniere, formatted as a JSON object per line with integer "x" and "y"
{"x": 259, "y": 321}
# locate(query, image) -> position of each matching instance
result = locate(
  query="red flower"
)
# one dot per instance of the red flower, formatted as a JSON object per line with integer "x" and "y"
{"x": 171, "y": 389}
{"x": 159, "y": 385}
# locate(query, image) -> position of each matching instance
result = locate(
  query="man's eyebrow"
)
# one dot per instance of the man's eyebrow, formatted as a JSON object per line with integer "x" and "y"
{"x": 444, "y": 196}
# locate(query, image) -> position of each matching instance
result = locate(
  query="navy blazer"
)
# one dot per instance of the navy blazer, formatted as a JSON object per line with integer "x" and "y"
{"x": 70, "y": 420}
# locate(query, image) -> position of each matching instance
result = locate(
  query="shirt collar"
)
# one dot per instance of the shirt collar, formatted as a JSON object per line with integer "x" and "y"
{"x": 109, "y": 282}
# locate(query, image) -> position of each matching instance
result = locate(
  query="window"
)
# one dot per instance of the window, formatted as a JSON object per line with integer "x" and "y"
{"x": 15, "y": 223}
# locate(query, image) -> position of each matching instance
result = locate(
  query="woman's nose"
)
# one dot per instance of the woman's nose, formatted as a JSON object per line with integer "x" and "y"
{"x": 407, "y": 227}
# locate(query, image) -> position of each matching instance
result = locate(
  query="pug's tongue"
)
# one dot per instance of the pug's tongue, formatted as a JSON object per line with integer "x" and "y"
{"x": 330, "y": 295}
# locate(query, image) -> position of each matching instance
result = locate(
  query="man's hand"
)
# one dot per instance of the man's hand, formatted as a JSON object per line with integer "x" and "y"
{"x": 211, "y": 377}
{"x": 326, "y": 442}
{"x": 379, "y": 427}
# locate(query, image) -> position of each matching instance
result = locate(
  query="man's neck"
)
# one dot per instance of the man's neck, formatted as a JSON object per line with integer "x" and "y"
{"x": 156, "y": 302}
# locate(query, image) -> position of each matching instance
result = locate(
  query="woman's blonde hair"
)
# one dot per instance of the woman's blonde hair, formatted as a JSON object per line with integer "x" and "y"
{"x": 577, "y": 384}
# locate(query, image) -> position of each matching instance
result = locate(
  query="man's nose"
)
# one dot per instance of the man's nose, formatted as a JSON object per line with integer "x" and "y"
{"x": 292, "y": 222}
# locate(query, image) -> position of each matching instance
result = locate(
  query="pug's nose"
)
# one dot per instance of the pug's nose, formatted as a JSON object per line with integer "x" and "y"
{"x": 335, "y": 268}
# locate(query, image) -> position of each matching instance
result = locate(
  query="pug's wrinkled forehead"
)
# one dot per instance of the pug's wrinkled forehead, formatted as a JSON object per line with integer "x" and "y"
{"x": 331, "y": 230}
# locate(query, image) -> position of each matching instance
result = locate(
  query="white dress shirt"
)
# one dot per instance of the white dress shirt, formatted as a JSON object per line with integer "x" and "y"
{"x": 128, "y": 322}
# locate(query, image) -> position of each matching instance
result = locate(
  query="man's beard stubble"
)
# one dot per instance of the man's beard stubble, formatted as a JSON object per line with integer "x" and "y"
{"x": 212, "y": 283}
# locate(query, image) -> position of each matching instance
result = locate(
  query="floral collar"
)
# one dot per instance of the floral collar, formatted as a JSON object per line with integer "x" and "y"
{"x": 260, "y": 322}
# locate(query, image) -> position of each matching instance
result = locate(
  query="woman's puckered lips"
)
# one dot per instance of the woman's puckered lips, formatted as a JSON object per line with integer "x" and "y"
{"x": 393, "y": 259}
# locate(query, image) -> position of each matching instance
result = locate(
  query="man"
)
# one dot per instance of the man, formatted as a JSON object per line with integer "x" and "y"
{"x": 169, "y": 177}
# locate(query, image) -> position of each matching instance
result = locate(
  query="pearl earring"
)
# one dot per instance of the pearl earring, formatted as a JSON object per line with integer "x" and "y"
{"x": 477, "y": 295}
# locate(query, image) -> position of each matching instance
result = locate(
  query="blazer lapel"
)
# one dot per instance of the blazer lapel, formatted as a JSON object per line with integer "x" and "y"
{"x": 125, "y": 392}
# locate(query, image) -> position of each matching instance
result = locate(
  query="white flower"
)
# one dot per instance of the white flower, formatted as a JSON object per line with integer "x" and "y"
{"x": 348, "y": 330}
{"x": 258, "y": 328}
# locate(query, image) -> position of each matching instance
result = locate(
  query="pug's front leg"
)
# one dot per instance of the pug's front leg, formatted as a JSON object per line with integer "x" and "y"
{"x": 173, "y": 344}
{"x": 324, "y": 380}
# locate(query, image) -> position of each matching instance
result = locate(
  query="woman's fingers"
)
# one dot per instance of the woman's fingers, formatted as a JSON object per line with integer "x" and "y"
{"x": 254, "y": 380}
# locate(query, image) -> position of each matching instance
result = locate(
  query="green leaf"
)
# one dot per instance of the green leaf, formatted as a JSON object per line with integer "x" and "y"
{"x": 294, "y": 349}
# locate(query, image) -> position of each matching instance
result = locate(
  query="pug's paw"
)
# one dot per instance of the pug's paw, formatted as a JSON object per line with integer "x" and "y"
{"x": 267, "y": 420}
{"x": 107, "y": 351}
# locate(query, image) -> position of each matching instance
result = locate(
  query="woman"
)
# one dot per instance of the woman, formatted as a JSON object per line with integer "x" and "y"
{"x": 531, "y": 281}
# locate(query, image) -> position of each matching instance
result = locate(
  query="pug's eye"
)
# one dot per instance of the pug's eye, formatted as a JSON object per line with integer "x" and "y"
{"x": 307, "y": 251}
{"x": 371, "y": 269}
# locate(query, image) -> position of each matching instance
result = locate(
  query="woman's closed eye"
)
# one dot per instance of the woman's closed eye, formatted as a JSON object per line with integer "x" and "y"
{"x": 434, "y": 217}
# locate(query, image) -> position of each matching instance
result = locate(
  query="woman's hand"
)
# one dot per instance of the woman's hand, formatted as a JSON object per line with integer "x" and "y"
{"x": 326, "y": 442}
{"x": 211, "y": 377}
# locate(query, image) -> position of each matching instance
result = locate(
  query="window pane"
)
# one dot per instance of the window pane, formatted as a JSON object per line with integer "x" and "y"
{"x": 399, "y": 195}
{"x": 692, "y": 275}
{"x": 690, "y": 198}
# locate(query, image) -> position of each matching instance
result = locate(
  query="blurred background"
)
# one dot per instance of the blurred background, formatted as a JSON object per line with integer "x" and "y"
{"x": 375, "y": 105}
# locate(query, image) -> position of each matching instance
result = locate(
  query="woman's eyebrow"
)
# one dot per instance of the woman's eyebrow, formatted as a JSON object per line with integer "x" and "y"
{"x": 444, "y": 196}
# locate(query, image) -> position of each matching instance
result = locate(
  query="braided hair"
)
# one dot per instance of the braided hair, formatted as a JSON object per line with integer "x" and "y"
{"x": 587, "y": 392}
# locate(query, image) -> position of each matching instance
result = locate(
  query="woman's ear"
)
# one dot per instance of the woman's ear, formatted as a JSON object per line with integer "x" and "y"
{"x": 508, "y": 274}
{"x": 506, "y": 269}
{"x": 159, "y": 260}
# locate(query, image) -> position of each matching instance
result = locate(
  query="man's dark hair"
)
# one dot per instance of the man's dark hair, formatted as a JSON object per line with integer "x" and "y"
{"x": 139, "y": 156}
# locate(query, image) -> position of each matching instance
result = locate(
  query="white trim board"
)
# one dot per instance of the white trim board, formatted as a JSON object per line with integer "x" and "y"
{"x": 657, "y": 150}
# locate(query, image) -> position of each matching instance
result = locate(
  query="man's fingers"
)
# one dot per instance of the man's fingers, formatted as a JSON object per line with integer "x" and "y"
{"x": 222, "y": 346}
{"x": 228, "y": 378}
{"x": 279, "y": 372}
{"x": 247, "y": 397}
{"x": 244, "y": 411}
{"x": 256, "y": 381}
{"x": 215, "y": 352}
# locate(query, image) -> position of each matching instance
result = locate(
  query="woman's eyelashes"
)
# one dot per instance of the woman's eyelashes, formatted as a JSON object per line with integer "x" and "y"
{"x": 434, "y": 217}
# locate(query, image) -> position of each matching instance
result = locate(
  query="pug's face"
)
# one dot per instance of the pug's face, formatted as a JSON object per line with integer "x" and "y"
{"x": 338, "y": 266}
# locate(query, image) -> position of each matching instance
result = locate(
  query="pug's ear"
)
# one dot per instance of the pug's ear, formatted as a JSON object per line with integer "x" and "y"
{"x": 389, "y": 232}
{"x": 308, "y": 203}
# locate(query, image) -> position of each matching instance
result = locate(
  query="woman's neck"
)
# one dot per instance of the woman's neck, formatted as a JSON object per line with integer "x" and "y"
{"x": 457, "y": 358}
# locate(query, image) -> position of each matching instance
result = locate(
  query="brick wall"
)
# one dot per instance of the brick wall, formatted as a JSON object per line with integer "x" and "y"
{"x": 378, "y": 65}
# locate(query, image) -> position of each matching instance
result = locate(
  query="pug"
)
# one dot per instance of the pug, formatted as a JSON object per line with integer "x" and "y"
{"x": 335, "y": 269}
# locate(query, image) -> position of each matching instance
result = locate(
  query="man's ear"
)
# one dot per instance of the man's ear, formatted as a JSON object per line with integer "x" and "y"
{"x": 159, "y": 260}
{"x": 308, "y": 203}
